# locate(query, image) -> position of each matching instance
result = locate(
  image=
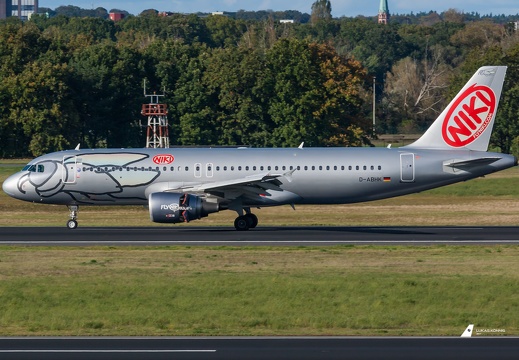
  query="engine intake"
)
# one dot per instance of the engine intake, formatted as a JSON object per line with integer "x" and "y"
{"x": 178, "y": 207}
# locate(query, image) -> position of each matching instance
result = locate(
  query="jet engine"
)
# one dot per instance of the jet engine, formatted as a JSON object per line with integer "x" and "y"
{"x": 178, "y": 207}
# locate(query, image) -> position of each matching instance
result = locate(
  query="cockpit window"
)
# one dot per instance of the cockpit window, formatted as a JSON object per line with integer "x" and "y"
{"x": 34, "y": 168}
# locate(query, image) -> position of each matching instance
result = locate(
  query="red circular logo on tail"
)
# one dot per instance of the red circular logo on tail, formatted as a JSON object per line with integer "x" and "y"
{"x": 469, "y": 115}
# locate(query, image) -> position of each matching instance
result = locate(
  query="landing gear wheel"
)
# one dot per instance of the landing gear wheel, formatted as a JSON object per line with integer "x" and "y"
{"x": 72, "y": 224}
{"x": 252, "y": 220}
{"x": 241, "y": 223}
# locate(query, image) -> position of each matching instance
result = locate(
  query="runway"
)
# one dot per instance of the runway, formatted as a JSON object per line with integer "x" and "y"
{"x": 301, "y": 348}
{"x": 261, "y": 236}
{"x": 402, "y": 348}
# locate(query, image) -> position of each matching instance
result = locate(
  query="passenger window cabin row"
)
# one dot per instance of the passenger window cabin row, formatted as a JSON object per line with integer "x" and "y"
{"x": 237, "y": 168}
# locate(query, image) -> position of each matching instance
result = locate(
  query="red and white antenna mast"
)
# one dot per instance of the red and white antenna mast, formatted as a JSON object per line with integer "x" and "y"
{"x": 157, "y": 135}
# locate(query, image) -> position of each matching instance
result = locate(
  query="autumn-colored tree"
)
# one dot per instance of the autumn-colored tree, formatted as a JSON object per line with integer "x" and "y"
{"x": 316, "y": 95}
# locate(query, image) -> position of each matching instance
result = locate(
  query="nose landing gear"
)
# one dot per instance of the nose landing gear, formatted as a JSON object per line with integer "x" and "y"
{"x": 72, "y": 223}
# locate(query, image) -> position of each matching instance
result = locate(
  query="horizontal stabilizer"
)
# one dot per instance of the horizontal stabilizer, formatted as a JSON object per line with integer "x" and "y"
{"x": 464, "y": 164}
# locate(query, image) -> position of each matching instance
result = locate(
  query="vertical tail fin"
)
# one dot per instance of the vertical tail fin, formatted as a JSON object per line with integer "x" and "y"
{"x": 468, "y": 120}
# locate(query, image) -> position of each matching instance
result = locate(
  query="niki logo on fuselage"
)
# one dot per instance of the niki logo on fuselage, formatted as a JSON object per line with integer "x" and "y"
{"x": 469, "y": 116}
{"x": 163, "y": 159}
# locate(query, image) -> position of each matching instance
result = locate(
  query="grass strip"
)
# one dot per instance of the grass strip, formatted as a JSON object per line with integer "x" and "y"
{"x": 353, "y": 290}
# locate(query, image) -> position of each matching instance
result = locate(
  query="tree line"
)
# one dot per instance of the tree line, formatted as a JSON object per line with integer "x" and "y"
{"x": 66, "y": 80}
{"x": 422, "y": 17}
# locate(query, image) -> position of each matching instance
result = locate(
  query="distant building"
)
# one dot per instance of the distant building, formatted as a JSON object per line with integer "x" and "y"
{"x": 166, "y": 13}
{"x": 5, "y": 8}
{"x": 22, "y": 9}
{"x": 217, "y": 13}
{"x": 116, "y": 16}
{"x": 383, "y": 12}
{"x": 286, "y": 21}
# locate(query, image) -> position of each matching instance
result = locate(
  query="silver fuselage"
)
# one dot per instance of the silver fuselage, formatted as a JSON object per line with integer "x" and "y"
{"x": 316, "y": 175}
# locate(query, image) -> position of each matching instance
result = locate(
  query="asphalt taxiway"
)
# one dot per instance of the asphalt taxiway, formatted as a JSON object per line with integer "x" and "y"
{"x": 261, "y": 236}
{"x": 228, "y": 348}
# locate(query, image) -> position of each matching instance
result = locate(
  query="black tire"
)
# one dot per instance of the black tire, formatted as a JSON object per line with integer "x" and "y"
{"x": 241, "y": 223}
{"x": 72, "y": 224}
{"x": 252, "y": 220}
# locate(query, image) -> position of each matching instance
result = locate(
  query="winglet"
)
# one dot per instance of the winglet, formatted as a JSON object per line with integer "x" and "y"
{"x": 468, "y": 331}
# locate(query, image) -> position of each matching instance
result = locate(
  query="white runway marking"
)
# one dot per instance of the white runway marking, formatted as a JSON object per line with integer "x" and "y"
{"x": 103, "y": 351}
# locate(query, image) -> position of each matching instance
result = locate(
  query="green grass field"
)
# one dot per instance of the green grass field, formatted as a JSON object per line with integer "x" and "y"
{"x": 343, "y": 290}
{"x": 351, "y": 290}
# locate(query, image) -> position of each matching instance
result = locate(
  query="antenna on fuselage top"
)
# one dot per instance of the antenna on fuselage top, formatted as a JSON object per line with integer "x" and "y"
{"x": 77, "y": 147}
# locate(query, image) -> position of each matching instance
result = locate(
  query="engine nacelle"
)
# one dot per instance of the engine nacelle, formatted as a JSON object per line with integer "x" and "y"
{"x": 178, "y": 207}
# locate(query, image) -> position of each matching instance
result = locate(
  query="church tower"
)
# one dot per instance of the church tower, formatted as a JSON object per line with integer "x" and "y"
{"x": 383, "y": 12}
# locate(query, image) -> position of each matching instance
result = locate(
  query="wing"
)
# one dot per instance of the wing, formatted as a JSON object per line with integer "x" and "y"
{"x": 261, "y": 189}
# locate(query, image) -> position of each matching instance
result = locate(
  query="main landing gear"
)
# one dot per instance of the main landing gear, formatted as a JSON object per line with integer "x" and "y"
{"x": 246, "y": 222}
{"x": 242, "y": 222}
{"x": 72, "y": 223}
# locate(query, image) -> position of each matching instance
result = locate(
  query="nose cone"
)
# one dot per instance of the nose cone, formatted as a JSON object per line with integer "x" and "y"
{"x": 10, "y": 186}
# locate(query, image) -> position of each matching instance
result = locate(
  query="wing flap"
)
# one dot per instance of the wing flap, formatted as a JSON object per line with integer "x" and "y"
{"x": 219, "y": 185}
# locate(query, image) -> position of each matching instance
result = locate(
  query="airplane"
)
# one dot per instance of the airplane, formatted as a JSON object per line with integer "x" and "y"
{"x": 183, "y": 184}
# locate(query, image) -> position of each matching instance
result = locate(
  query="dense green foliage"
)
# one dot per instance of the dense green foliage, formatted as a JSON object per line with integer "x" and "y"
{"x": 237, "y": 80}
